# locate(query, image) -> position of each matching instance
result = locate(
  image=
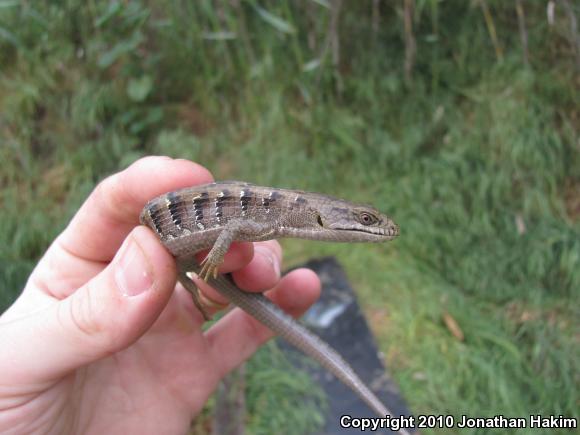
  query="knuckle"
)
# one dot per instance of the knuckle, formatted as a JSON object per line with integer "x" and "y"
{"x": 274, "y": 247}
{"x": 113, "y": 198}
{"x": 87, "y": 315}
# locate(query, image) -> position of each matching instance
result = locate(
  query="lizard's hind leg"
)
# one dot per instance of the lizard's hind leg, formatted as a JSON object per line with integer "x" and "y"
{"x": 192, "y": 288}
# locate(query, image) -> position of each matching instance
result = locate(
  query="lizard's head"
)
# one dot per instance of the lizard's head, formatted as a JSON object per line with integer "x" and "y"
{"x": 337, "y": 220}
{"x": 356, "y": 223}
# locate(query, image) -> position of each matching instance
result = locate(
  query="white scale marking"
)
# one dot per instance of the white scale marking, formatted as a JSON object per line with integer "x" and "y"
{"x": 218, "y": 216}
{"x": 243, "y": 193}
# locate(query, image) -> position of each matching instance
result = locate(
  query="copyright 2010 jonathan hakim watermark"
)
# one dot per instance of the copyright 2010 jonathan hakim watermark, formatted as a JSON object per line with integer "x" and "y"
{"x": 461, "y": 422}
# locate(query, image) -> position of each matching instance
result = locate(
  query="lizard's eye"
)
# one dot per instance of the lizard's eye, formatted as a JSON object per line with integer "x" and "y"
{"x": 367, "y": 218}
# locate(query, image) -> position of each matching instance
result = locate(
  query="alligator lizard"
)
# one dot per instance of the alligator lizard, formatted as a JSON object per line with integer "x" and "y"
{"x": 212, "y": 216}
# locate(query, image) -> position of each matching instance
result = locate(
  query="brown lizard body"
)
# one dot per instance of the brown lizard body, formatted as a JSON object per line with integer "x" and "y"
{"x": 214, "y": 215}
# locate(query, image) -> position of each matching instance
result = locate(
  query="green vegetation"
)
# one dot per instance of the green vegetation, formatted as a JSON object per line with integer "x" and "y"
{"x": 472, "y": 150}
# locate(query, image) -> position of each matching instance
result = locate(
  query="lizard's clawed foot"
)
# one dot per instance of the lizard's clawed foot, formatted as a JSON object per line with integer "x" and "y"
{"x": 209, "y": 268}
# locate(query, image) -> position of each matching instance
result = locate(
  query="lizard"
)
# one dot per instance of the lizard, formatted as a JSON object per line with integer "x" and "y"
{"x": 212, "y": 216}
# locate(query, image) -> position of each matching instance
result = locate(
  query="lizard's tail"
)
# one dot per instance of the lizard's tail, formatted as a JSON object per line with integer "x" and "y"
{"x": 258, "y": 306}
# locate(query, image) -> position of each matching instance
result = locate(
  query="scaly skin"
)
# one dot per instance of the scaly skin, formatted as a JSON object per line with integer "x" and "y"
{"x": 214, "y": 215}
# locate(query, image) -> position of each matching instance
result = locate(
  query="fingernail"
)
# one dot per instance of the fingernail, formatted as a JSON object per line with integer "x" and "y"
{"x": 133, "y": 272}
{"x": 270, "y": 257}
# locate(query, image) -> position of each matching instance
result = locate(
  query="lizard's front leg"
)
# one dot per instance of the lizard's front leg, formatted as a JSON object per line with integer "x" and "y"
{"x": 236, "y": 229}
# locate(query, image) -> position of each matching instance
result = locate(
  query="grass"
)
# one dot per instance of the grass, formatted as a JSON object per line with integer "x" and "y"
{"x": 476, "y": 158}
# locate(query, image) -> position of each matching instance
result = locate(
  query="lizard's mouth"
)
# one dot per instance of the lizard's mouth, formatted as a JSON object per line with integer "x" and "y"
{"x": 390, "y": 231}
{"x": 380, "y": 232}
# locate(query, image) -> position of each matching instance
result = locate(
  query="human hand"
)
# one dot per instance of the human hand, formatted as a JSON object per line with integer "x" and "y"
{"x": 102, "y": 340}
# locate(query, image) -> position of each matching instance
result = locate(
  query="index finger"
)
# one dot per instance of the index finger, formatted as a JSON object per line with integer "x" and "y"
{"x": 98, "y": 229}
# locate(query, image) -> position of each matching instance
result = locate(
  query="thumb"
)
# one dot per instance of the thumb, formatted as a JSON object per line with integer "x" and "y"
{"x": 107, "y": 314}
